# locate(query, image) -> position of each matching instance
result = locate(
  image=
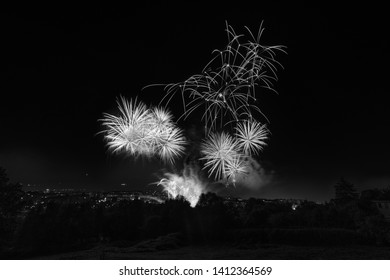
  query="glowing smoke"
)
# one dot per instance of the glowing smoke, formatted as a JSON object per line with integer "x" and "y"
{"x": 187, "y": 185}
{"x": 256, "y": 176}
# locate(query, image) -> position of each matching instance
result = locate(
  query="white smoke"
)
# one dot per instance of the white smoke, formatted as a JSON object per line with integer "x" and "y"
{"x": 188, "y": 185}
{"x": 255, "y": 176}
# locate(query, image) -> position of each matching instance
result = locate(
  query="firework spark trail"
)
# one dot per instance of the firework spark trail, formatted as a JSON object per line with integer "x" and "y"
{"x": 226, "y": 86}
{"x": 140, "y": 130}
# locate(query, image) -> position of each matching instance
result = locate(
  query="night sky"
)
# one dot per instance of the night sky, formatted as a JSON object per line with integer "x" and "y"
{"x": 62, "y": 67}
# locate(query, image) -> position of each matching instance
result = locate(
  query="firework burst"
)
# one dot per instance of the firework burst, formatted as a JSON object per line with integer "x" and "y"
{"x": 225, "y": 89}
{"x": 127, "y": 131}
{"x": 221, "y": 155}
{"x": 236, "y": 168}
{"x": 171, "y": 144}
{"x": 162, "y": 118}
{"x": 140, "y": 130}
{"x": 251, "y": 136}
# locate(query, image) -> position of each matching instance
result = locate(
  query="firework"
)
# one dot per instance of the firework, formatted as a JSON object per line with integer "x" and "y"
{"x": 225, "y": 89}
{"x": 226, "y": 156}
{"x": 162, "y": 118}
{"x": 140, "y": 130}
{"x": 128, "y": 131}
{"x": 171, "y": 144}
{"x": 237, "y": 167}
{"x": 221, "y": 155}
{"x": 251, "y": 136}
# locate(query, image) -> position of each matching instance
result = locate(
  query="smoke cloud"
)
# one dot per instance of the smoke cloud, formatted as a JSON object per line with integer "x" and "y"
{"x": 256, "y": 176}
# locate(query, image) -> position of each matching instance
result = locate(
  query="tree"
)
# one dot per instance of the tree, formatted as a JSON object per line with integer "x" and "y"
{"x": 3, "y": 177}
{"x": 376, "y": 194}
{"x": 10, "y": 196}
{"x": 345, "y": 191}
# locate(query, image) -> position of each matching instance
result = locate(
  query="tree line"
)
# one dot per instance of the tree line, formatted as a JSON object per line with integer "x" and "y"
{"x": 348, "y": 219}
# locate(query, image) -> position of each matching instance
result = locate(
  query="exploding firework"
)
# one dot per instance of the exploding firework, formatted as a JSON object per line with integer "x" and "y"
{"x": 225, "y": 89}
{"x": 139, "y": 130}
{"x": 226, "y": 156}
{"x": 123, "y": 132}
{"x": 221, "y": 155}
{"x": 237, "y": 168}
{"x": 251, "y": 136}
{"x": 170, "y": 144}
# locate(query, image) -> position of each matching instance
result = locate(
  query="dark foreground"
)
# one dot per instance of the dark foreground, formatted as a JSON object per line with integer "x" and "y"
{"x": 217, "y": 228}
{"x": 169, "y": 247}
{"x": 265, "y": 252}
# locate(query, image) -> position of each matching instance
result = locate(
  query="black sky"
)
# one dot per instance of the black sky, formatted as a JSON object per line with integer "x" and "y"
{"x": 62, "y": 67}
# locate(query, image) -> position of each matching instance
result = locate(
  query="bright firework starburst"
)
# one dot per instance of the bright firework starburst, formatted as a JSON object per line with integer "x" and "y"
{"x": 139, "y": 130}
{"x": 220, "y": 153}
{"x": 251, "y": 136}
{"x": 171, "y": 144}
{"x": 127, "y": 131}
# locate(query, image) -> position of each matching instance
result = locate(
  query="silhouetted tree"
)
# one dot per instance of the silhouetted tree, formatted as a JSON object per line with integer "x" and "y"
{"x": 10, "y": 196}
{"x": 210, "y": 198}
{"x": 345, "y": 191}
{"x": 376, "y": 194}
{"x": 10, "y": 205}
